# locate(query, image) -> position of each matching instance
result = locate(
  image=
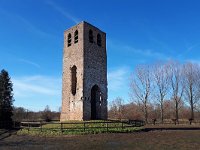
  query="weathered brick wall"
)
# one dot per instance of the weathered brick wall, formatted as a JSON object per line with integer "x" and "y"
{"x": 91, "y": 63}
{"x": 95, "y": 70}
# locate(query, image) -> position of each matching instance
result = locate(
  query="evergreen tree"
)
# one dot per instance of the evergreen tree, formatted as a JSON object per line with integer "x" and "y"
{"x": 6, "y": 98}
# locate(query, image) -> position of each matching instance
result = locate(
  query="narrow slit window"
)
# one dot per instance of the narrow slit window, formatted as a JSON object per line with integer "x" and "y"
{"x": 91, "y": 36}
{"x": 73, "y": 80}
{"x": 76, "y": 36}
{"x": 69, "y": 40}
{"x": 98, "y": 39}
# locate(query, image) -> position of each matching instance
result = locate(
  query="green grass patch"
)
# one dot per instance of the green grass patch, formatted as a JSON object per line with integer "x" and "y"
{"x": 80, "y": 128}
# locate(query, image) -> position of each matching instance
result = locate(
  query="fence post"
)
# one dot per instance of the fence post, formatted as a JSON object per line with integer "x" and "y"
{"x": 107, "y": 126}
{"x": 41, "y": 126}
{"x": 61, "y": 127}
{"x": 28, "y": 127}
{"x": 122, "y": 125}
{"x": 84, "y": 126}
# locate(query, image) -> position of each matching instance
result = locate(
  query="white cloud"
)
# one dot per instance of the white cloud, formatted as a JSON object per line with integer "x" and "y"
{"x": 35, "y": 92}
{"x": 63, "y": 12}
{"x": 117, "y": 79}
{"x": 41, "y": 85}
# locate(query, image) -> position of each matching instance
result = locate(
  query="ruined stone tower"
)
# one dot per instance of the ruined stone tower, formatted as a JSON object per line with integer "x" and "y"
{"x": 84, "y": 82}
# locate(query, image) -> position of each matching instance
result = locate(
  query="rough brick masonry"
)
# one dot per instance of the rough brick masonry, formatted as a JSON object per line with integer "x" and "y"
{"x": 89, "y": 80}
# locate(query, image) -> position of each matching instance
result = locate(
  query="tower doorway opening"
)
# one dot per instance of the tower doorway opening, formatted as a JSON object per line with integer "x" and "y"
{"x": 95, "y": 103}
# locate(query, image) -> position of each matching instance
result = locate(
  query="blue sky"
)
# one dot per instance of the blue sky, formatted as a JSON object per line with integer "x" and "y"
{"x": 138, "y": 31}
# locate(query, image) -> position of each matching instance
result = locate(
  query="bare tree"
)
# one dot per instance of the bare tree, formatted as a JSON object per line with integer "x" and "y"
{"x": 169, "y": 109}
{"x": 140, "y": 87}
{"x": 161, "y": 80}
{"x": 191, "y": 82}
{"x": 132, "y": 111}
{"x": 117, "y": 108}
{"x": 177, "y": 87}
{"x": 46, "y": 114}
{"x": 19, "y": 114}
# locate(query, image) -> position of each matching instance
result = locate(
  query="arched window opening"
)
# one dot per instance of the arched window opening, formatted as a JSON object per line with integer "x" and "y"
{"x": 98, "y": 39}
{"x": 73, "y": 80}
{"x": 76, "y": 36}
{"x": 69, "y": 40}
{"x": 91, "y": 36}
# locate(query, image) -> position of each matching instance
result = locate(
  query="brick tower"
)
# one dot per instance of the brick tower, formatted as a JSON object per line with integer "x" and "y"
{"x": 84, "y": 81}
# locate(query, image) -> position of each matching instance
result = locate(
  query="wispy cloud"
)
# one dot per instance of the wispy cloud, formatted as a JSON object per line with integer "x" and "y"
{"x": 146, "y": 52}
{"x": 29, "y": 62}
{"x": 31, "y": 27}
{"x": 189, "y": 49}
{"x": 117, "y": 78}
{"x": 193, "y": 61}
{"x": 63, "y": 12}
{"x": 193, "y": 47}
{"x": 16, "y": 18}
{"x": 40, "y": 85}
{"x": 35, "y": 92}
{"x": 130, "y": 49}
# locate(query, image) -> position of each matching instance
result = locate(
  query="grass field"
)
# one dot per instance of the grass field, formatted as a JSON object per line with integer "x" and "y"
{"x": 162, "y": 137}
{"x": 79, "y": 127}
{"x": 153, "y": 140}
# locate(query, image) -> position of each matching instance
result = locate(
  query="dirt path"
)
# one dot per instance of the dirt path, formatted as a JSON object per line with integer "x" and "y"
{"x": 158, "y": 140}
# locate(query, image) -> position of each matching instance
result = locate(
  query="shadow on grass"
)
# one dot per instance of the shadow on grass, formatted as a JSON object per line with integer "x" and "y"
{"x": 169, "y": 128}
{"x": 5, "y": 133}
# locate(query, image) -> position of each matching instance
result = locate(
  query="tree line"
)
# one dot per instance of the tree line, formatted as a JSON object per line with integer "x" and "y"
{"x": 21, "y": 114}
{"x": 162, "y": 90}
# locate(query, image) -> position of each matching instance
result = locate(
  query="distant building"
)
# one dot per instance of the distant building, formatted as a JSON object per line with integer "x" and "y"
{"x": 84, "y": 81}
